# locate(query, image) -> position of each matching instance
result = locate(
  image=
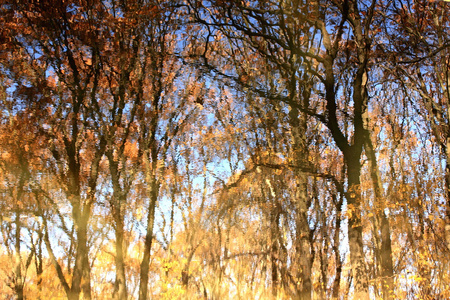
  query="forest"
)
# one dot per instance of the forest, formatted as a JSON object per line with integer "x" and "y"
{"x": 224, "y": 149}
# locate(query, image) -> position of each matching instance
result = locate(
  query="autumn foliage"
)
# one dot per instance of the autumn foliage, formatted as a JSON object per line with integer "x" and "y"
{"x": 224, "y": 149}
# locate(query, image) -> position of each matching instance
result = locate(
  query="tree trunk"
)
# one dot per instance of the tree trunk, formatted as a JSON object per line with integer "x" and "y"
{"x": 303, "y": 245}
{"x": 303, "y": 241}
{"x": 386, "y": 266}
{"x": 447, "y": 185}
{"x": 117, "y": 203}
{"x": 355, "y": 240}
{"x": 39, "y": 262}
{"x": 274, "y": 216}
{"x": 145, "y": 263}
{"x": 18, "y": 284}
{"x": 336, "y": 249}
{"x": 120, "y": 288}
{"x": 81, "y": 271}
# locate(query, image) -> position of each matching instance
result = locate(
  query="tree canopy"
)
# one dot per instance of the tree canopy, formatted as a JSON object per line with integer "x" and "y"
{"x": 225, "y": 149}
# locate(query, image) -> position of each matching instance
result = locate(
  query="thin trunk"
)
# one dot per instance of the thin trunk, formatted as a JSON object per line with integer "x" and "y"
{"x": 447, "y": 185}
{"x": 216, "y": 291}
{"x": 185, "y": 272}
{"x": 18, "y": 284}
{"x": 324, "y": 242}
{"x": 323, "y": 270}
{"x": 282, "y": 262}
{"x": 336, "y": 249}
{"x": 274, "y": 275}
{"x": 18, "y": 277}
{"x": 39, "y": 262}
{"x": 54, "y": 260}
{"x": 422, "y": 260}
{"x": 120, "y": 288}
{"x": 274, "y": 216}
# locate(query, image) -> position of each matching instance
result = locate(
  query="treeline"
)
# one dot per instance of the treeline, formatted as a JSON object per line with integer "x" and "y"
{"x": 224, "y": 149}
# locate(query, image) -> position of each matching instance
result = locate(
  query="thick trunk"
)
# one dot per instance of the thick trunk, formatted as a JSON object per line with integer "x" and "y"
{"x": 355, "y": 240}
{"x": 117, "y": 203}
{"x": 81, "y": 271}
{"x": 386, "y": 266}
{"x": 145, "y": 263}
{"x": 86, "y": 279}
{"x": 303, "y": 245}
{"x": 80, "y": 213}
{"x": 352, "y": 155}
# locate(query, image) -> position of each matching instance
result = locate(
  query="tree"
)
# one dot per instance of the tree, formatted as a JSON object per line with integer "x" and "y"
{"x": 329, "y": 44}
{"x": 224, "y": 149}
{"x": 61, "y": 84}
{"x": 423, "y": 69}
{"x": 420, "y": 70}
